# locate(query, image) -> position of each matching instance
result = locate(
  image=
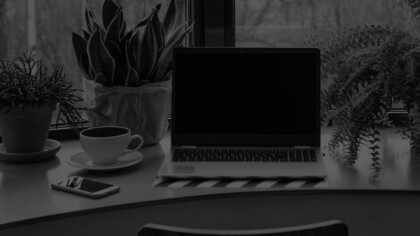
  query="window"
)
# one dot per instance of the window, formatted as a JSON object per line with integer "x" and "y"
{"x": 287, "y": 23}
{"x": 46, "y": 27}
{"x": 284, "y": 23}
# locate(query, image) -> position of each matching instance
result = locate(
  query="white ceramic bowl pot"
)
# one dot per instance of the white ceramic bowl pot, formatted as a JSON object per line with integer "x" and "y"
{"x": 144, "y": 110}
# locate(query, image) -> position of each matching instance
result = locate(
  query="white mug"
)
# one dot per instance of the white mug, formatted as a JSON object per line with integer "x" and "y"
{"x": 106, "y": 144}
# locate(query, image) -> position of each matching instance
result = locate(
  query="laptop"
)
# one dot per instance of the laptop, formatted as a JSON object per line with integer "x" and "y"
{"x": 245, "y": 113}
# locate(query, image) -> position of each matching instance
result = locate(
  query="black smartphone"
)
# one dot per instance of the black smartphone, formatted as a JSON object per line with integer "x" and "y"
{"x": 85, "y": 187}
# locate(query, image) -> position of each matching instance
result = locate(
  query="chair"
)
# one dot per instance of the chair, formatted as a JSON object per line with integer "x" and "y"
{"x": 326, "y": 228}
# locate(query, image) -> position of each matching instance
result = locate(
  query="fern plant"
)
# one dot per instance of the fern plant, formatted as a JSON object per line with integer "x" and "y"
{"x": 109, "y": 54}
{"x": 25, "y": 81}
{"x": 370, "y": 68}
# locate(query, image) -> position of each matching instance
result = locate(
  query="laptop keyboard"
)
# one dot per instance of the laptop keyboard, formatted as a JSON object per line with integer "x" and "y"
{"x": 243, "y": 155}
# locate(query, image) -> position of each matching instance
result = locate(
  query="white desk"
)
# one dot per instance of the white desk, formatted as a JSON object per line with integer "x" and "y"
{"x": 29, "y": 206}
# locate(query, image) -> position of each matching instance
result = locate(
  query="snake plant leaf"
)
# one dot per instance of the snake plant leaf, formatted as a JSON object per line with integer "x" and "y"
{"x": 80, "y": 45}
{"x": 91, "y": 71}
{"x": 168, "y": 75}
{"x": 126, "y": 39}
{"x": 157, "y": 7}
{"x": 170, "y": 17}
{"x": 163, "y": 43}
{"x": 95, "y": 23}
{"x": 114, "y": 50}
{"x": 86, "y": 35}
{"x": 141, "y": 23}
{"x": 109, "y": 10}
{"x": 123, "y": 29}
{"x": 114, "y": 28}
{"x": 116, "y": 53}
{"x": 179, "y": 32}
{"x": 123, "y": 47}
{"x": 88, "y": 20}
{"x": 100, "y": 59}
{"x": 132, "y": 78}
{"x": 84, "y": 66}
{"x": 173, "y": 40}
{"x": 138, "y": 26}
{"x": 151, "y": 47}
{"x": 145, "y": 20}
{"x": 132, "y": 50}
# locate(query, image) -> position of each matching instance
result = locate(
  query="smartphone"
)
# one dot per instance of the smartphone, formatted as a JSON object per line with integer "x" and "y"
{"x": 85, "y": 187}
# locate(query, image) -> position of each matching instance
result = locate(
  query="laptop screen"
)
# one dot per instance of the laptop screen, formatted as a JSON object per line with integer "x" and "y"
{"x": 222, "y": 93}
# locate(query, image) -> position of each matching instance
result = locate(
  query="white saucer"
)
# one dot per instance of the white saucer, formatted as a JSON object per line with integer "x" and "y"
{"x": 82, "y": 160}
{"x": 51, "y": 148}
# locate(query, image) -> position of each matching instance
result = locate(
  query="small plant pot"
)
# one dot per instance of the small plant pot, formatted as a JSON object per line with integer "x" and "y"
{"x": 25, "y": 130}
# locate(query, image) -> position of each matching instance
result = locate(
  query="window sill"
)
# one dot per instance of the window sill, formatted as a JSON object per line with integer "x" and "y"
{"x": 66, "y": 132}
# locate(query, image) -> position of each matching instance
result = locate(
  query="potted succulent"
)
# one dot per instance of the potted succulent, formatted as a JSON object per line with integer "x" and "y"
{"x": 130, "y": 69}
{"x": 369, "y": 68}
{"x": 29, "y": 94}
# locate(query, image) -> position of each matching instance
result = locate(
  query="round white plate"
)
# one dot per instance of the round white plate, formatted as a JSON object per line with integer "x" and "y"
{"x": 82, "y": 160}
{"x": 51, "y": 148}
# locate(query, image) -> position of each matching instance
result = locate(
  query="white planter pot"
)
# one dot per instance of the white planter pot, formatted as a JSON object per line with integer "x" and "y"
{"x": 144, "y": 110}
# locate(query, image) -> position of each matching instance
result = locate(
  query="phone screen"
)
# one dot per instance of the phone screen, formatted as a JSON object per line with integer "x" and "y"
{"x": 83, "y": 184}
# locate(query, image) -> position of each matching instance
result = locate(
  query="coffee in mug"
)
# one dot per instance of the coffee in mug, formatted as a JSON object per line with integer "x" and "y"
{"x": 106, "y": 144}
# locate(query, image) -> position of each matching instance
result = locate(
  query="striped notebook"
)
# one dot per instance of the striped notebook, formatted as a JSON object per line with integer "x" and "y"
{"x": 232, "y": 183}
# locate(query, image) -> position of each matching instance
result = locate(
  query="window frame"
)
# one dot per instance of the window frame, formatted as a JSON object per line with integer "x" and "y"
{"x": 214, "y": 22}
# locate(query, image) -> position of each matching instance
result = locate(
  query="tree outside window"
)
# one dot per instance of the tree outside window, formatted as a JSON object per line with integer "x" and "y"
{"x": 283, "y": 23}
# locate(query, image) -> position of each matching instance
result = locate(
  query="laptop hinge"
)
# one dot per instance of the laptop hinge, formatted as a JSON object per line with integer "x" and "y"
{"x": 302, "y": 147}
{"x": 188, "y": 146}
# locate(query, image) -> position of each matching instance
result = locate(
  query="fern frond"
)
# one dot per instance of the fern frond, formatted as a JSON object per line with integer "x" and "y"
{"x": 367, "y": 69}
{"x": 375, "y": 166}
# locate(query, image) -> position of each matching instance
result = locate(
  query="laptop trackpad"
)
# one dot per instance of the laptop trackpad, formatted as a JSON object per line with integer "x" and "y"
{"x": 184, "y": 169}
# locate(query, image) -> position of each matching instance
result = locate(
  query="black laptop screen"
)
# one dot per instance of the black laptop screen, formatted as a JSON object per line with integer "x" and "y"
{"x": 246, "y": 91}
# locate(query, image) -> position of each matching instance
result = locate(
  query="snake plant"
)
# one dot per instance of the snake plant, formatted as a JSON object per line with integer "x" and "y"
{"x": 110, "y": 54}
